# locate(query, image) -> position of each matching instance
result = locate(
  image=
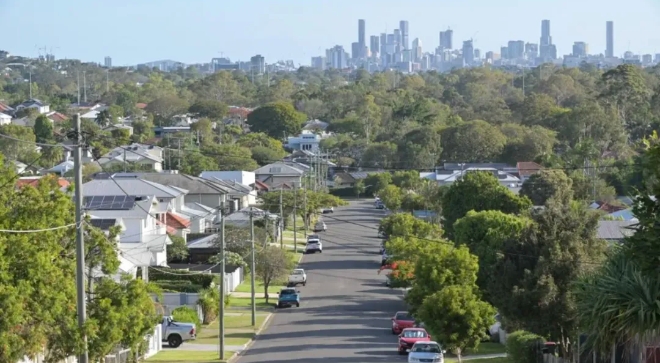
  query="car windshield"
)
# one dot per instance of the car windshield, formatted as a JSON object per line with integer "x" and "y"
{"x": 414, "y": 334}
{"x": 404, "y": 317}
{"x": 288, "y": 292}
{"x": 298, "y": 272}
{"x": 313, "y": 236}
{"x": 313, "y": 241}
{"x": 426, "y": 348}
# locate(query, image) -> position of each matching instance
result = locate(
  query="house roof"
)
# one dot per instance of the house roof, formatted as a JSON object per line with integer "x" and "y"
{"x": 363, "y": 174}
{"x": 204, "y": 242}
{"x": 176, "y": 221}
{"x": 615, "y": 230}
{"x": 279, "y": 168}
{"x": 57, "y": 117}
{"x": 345, "y": 177}
{"x": 34, "y": 181}
{"x": 103, "y": 224}
{"x": 261, "y": 185}
{"x": 132, "y": 153}
{"x": 23, "y": 121}
{"x": 193, "y": 184}
{"x": 4, "y": 115}
{"x": 609, "y": 208}
{"x": 118, "y": 186}
{"x": 6, "y": 108}
{"x": 527, "y": 168}
{"x": 315, "y": 125}
{"x": 141, "y": 106}
{"x": 140, "y": 210}
{"x": 32, "y": 102}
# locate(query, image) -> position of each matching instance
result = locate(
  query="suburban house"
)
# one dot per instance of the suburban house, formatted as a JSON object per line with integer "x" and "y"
{"x": 200, "y": 191}
{"x": 315, "y": 126}
{"x": 67, "y": 152}
{"x": 61, "y": 168}
{"x": 148, "y": 157}
{"x": 125, "y": 266}
{"x": 171, "y": 201}
{"x": 34, "y": 181}
{"x": 242, "y": 219}
{"x": 93, "y": 112}
{"x": 615, "y": 231}
{"x": 35, "y": 104}
{"x": 307, "y": 140}
{"x": 6, "y": 109}
{"x": 275, "y": 175}
{"x": 527, "y": 169}
{"x": 56, "y": 117}
{"x": 126, "y": 128}
{"x": 344, "y": 180}
{"x": 143, "y": 241}
{"x": 5, "y": 119}
{"x": 446, "y": 177}
{"x": 239, "y": 183}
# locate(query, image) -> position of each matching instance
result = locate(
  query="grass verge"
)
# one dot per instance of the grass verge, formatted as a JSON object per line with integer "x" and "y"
{"x": 173, "y": 355}
{"x": 238, "y": 330}
{"x": 487, "y": 348}
{"x": 243, "y": 302}
{"x": 246, "y": 286}
{"x": 482, "y": 360}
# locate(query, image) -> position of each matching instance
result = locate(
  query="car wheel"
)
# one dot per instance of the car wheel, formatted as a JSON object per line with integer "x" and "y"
{"x": 297, "y": 305}
{"x": 279, "y": 305}
{"x": 174, "y": 341}
{"x": 320, "y": 251}
{"x": 393, "y": 332}
{"x": 402, "y": 352}
{"x": 304, "y": 283}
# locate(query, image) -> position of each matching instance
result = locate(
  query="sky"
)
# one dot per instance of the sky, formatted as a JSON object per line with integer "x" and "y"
{"x": 194, "y": 31}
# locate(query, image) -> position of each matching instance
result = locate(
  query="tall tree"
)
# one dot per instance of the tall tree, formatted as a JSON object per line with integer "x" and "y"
{"x": 276, "y": 119}
{"x": 547, "y": 184}
{"x": 472, "y": 142}
{"x": 43, "y": 129}
{"x": 272, "y": 265}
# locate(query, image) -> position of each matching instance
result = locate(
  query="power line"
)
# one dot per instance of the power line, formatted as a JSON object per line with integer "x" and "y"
{"x": 36, "y": 230}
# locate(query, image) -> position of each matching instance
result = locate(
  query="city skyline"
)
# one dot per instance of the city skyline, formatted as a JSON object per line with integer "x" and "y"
{"x": 298, "y": 30}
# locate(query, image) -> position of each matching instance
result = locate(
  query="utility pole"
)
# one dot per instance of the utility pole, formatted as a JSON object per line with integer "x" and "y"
{"x": 85, "y": 86}
{"x": 124, "y": 160}
{"x": 221, "y": 310}
{"x": 295, "y": 231}
{"x": 281, "y": 220}
{"x": 80, "y": 242}
{"x": 30, "y": 83}
{"x": 78, "y": 83}
{"x": 305, "y": 210}
{"x": 179, "y": 154}
{"x": 252, "y": 266}
{"x": 107, "y": 80}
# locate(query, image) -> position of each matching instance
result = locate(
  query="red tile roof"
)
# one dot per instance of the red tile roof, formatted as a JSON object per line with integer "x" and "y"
{"x": 141, "y": 106}
{"x": 63, "y": 183}
{"x": 261, "y": 185}
{"x": 4, "y": 107}
{"x": 168, "y": 229}
{"x": 609, "y": 208}
{"x": 57, "y": 117}
{"x": 527, "y": 168}
{"x": 176, "y": 221}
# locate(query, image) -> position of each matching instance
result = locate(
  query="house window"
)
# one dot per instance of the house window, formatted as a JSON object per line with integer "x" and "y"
{"x": 275, "y": 170}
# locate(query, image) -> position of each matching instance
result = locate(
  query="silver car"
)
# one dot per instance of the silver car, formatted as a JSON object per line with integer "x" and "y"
{"x": 430, "y": 352}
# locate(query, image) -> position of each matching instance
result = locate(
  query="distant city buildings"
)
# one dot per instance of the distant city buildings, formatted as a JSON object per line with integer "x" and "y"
{"x": 257, "y": 65}
{"x": 609, "y": 39}
{"x": 107, "y": 62}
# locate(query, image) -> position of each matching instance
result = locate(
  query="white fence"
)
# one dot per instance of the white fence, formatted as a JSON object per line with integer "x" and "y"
{"x": 154, "y": 345}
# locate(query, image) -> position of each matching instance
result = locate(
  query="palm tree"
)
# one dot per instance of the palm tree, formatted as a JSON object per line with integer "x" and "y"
{"x": 618, "y": 304}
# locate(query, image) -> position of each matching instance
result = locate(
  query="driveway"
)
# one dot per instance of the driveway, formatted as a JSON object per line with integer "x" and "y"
{"x": 346, "y": 308}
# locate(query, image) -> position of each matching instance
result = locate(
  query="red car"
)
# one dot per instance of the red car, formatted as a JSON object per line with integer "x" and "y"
{"x": 410, "y": 336}
{"x": 402, "y": 320}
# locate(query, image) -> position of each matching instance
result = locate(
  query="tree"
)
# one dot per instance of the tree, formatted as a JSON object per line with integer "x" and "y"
{"x": 212, "y": 109}
{"x": 315, "y": 202}
{"x": 194, "y": 163}
{"x": 527, "y": 143}
{"x": 165, "y": 107}
{"x": 203, "y": 129}
{"x": 43, "y": 129}
{"x": 420, "y": 148}
{"x": 407, "y": 226}
{"x": 456, "y": 317}
{"x": 472, "y": 142}
{"x": 230, "y": 157}
{"x": 547, "y": 184}
{"x": 14, "y": 149}
{"x": 375, "y": 182}
{"x": 359, "y": 188}
{"x": 272, "y": 264}
{"x": 392, "y": 197}
{"x": 265, "y": 149}
{"x": 369, "y": 115}
{"x": 276, "y": 119}
{"x": 478, "y": 191}
{"x": 104, "y": 119}
{"x": 178, "y": 250}
{"x": 380, "y": 155}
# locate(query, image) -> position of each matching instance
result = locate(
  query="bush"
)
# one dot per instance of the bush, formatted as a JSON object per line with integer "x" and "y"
{"x": 204, "y": 280}
{"x": 186, "y": 314}
{"x": 178, "y": 286}
{"x": 524, "y": 347}
{"x": 209, "y": 300}
{"x": 343, "y": 192}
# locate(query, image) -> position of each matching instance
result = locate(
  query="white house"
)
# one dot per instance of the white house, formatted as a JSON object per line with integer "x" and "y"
{"x": 240, "y": 184}
{"x": 149, "y": 157}
{"x": 5, "y": 119}
{"x": 93, "y": 112}
{"x": 35, "y": 104}
{"x": 444, "y": 177}
{"x": 62, "y": 168}
{"x": 307, "y": 140}
{"x": 144, "y": 239}
{"x": 179, "y": 219}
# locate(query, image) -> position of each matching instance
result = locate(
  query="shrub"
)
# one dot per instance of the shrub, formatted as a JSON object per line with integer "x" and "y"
{"x": 186, "y": 314}
{"x": 178, "y": 286}
{"x": 524, "y": 347}
{"x": 204, "y": 280}
{"x": 343, "y": 192}
{"x": 209, "y": 300}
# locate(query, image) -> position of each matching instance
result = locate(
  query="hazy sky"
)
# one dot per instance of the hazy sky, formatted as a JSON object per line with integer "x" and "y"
{"x": 194, "y": 31}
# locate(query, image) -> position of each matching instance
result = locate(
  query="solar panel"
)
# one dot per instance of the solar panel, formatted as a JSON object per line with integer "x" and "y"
{"x": 109, "y": 202}
{"x": 103, "y": 224}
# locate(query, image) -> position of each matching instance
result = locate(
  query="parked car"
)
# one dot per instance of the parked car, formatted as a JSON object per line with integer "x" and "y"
{"x": 175, "y": 332}
{"x": 320, "y": 227}
{"x": 380, "y": 205}
{"x": 402, "y": 320}
{"x": 493, "y": 331}
{"x": 381, "y": 234}
{"x": 298, "y": 276}
{"x": 328, "y": 210}
{"x": 410, "y": 336}
{"x": 314, "y": 245}
{"x": 288, "y": 297}
{"x": 385, "y": 259}
{"x": 426, "y": 352}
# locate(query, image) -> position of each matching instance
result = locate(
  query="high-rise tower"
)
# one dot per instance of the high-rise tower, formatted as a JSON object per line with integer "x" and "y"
{"x": 609, "y": 29}
{"x": 546, "y": 39}
{"x": 405, "y": 33}
{"x": 362, "y": 37}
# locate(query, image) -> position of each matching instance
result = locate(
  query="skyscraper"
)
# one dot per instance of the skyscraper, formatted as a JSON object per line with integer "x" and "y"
{"x": 547, "y": 49}
{"x": 362, "y": 37}
{"x": 374, "y": 45}
{"x": 446, "y": 39}
{"x": 416, "y": 51}
{"x": 356, "y": 51}
{"x": 468, "y": 52}
{"x": 405, "y": 33}
{"x": 383, "y": 45}
{"x": 609, "y": 50}
{"x": 546, "y": 39}
{"x": 108, "y": 62}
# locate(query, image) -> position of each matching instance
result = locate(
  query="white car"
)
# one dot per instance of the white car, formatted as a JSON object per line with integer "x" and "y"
{"x": 426, "y": 352}
{"x": 298, "y": 277}
{"x": 314, "y": 245}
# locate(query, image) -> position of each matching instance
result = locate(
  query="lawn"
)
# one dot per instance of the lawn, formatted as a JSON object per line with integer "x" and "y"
{"x": 238, "y": 330}
{"x": 487, "y": 348}
{"x": 244, "y": 302}
{"x": 246, "y": 286}
{"x": 231, "y": 338}
{"x": 173, "y": 355}
{"x": 288, "y": 236}
{"x": 483, "y": 360}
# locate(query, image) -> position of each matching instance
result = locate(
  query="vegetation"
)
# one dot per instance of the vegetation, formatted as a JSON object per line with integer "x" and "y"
{"x": 272, "y": 264}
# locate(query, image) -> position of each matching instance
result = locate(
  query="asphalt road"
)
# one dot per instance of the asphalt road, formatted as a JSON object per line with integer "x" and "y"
{"x": 345, "y": 308}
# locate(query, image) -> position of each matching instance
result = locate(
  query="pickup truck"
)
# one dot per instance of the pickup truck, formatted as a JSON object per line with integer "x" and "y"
{"x": 288, "y": 297}
{"x": 175, "y": 332}
{"x": 297, "y": 277}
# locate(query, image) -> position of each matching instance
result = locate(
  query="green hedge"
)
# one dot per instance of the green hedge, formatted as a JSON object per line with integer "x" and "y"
{"x": 204, "y": 280}
{"x": 524, "y": 347}
{"x": 178, "y": 286}
{"x": 185, "y": 314}
{"x": 343, "y": 192}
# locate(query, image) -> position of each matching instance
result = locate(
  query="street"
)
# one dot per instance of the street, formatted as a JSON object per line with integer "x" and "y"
{"x": 345, "y": 308}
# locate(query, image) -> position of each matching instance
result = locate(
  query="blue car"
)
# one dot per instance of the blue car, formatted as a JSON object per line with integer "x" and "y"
{"x": 288, "y": 297}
